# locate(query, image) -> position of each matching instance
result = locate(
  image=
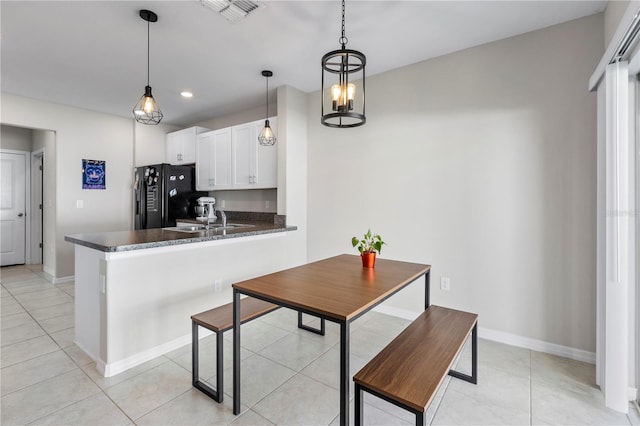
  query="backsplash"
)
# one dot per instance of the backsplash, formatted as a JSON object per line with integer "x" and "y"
{"x": 253, "y": 200}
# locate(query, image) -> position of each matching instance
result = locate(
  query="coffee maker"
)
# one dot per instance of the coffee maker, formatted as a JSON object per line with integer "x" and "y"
{"x": 206, "y": 209}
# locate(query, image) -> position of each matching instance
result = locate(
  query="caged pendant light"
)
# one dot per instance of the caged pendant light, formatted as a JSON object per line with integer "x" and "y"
{"x": 267, "y": 137}
{"x": 343, "y": 104}
{"x": 146, "y": 110}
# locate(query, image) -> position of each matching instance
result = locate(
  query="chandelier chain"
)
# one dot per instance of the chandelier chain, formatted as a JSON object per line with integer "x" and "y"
{"x": 148, "y": 49}
{"x": 343, "y": 39}
{"x": 267, "y": 97}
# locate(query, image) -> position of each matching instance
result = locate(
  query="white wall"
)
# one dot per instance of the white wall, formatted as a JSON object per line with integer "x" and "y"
{"x": 81, "y": 134}
{"x": 241, "y": 117}
{"x": 481, "y": 163}
{"x": 150, "y": 143}
{"x": 293, "y": 190}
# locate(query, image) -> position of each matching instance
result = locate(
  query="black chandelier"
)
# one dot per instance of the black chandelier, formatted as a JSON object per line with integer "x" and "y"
{"x": 146, "y": 110}
{"x": 266, "y": 136}
{"x": 343, "y": 102}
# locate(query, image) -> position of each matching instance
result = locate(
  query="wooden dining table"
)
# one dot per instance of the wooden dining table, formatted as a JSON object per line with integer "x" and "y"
{"x": 336, "y": 289}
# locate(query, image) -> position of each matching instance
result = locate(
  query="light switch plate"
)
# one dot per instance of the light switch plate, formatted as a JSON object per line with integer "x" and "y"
{"x": 445, "y": 284}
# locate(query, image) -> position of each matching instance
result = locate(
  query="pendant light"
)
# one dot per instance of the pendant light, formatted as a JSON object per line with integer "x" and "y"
{"x": 267, "y": 137}
{"x": 146, "y": 110}
{"x": 343, "y": 102}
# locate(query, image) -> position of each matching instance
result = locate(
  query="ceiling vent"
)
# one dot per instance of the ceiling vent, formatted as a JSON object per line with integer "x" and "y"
{"x": 233, "y": 10}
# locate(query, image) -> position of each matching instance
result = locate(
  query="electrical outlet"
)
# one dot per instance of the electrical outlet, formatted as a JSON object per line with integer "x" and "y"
{"x": 445, "y": 284}
{"x": 217, "y": 286}
{"x": 79, "y": 204}
{"x": 267, "y": 204}
{"x": 222, "y": 204}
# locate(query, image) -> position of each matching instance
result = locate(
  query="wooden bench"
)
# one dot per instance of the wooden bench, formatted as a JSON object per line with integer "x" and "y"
{"x": 410, "y": 369}
{"x": 219, "y": 320}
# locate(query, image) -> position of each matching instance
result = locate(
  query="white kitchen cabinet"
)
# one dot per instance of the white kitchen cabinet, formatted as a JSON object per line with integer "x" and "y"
{"x": 254, "y": 165}
{"x": 232, "y": 158}
{"x": 265, "y": 172}
{"x": 181, "y": 145}
{"x": 213, "y": 160}
{"x": 242, "y": 157}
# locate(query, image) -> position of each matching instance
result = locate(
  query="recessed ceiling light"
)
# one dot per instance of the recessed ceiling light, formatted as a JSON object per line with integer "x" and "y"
{"x": 186, "y": 94}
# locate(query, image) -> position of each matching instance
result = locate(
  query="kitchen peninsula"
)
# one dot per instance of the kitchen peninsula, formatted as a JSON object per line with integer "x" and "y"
{"x": 136, "y": 290}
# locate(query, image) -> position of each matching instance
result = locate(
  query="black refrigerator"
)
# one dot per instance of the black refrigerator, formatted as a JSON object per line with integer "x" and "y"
{"x": 164, "y": 193}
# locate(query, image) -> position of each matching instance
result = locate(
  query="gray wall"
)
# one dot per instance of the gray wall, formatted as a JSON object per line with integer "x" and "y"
{"x": 16, "y": 138}
{"x": 612, "y": 15}
{"x": 481, "y": 163}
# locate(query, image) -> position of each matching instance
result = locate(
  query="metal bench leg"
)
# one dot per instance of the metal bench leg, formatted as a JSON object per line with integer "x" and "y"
{"x": 219, "y": 366}
{"x": 194, "y": 353}
{"x": 473, "y": 378}
{"x": 319, "y": 331}
{"x": 358, "y": 405}
{"x": 215, "y": 394}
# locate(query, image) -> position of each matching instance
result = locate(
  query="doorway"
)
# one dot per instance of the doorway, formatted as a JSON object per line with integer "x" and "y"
{"x": 37, "y": 147}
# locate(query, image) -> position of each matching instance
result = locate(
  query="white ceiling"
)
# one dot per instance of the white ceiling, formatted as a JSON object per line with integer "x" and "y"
{"x": 92, "y": 54}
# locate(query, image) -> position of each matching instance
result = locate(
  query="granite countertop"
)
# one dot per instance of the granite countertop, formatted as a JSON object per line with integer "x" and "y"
{"x": 119, "y": 241}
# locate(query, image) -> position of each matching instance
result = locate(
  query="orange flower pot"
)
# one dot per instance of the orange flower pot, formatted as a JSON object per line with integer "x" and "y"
{"x": 368, "y": 260}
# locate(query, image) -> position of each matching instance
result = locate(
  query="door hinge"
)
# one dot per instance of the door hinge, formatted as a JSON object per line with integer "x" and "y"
{"x": 40, "y": 206}
{"x": 40, "y": 245}
{"x": 40, "y": 167}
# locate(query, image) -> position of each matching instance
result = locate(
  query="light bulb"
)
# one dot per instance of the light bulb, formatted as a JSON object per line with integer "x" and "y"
{"x": 335, "y": 92}
{"x": 149, "y": 105}
{"x": 351, "y": 94}
{"x": 351, "y": 91}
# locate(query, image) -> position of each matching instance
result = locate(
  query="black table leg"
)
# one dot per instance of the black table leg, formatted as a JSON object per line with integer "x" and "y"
{"x": 236, "y": 352}
{"x": 427, "y": 289}
{"x": 344, "y": 373}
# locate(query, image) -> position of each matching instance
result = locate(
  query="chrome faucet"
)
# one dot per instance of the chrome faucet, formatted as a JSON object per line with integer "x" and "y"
{"x": 224, "y": 218}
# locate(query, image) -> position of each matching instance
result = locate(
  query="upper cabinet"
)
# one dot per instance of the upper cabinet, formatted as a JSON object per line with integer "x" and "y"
{"x": 248, "y": 164}
{"x": 181, "y": 145}
{"x": 254, "y": 165}
{"x": 213, "y": 160}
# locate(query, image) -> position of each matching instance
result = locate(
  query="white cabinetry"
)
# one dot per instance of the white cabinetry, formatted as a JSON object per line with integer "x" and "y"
{"x": 239, "y": 161}
{"x": 254, "y": 165}
{"x": 265, "y": 173}
{"x": 213, "y": 160}
{"x": 181, "y": 145}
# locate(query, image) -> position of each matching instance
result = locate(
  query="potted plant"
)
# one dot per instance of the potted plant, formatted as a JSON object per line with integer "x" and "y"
{"x": 368, "y": 246}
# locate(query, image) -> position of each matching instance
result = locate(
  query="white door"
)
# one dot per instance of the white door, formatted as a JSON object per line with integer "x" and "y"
{"x": 12, "y": 208}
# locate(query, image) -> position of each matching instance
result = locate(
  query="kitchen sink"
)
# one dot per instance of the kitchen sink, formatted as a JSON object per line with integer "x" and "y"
{"x": 213, "y": 226}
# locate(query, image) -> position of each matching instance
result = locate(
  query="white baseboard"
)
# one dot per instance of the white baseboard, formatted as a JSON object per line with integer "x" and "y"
{"x": 48, "y": 274}
{"x": 86, "y": 352}
{"x": 537, "y": 345}
{"x": 62, "y": 280}
{"x": 397, "y": 312}
{"x": 508, "y": 338}
{"x": 633, "y": 394}
{"x": 113, "y": 368}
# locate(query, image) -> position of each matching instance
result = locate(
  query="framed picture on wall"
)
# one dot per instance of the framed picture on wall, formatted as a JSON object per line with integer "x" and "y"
{"x": 94, "y": 174}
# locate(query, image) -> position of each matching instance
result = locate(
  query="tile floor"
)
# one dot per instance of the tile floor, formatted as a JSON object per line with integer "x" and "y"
{"x": 289, "y": 376}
